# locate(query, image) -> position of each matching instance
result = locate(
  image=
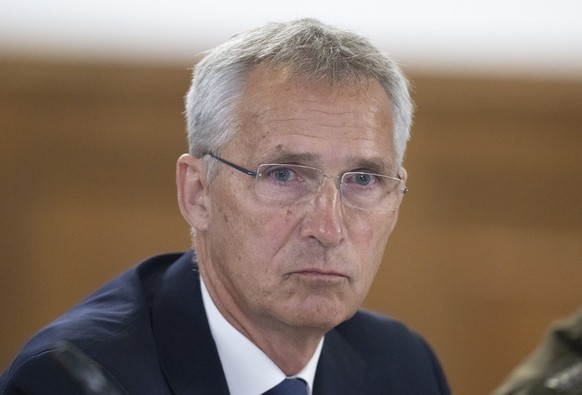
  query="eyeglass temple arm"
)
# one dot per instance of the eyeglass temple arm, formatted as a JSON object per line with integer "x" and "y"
{"x": 234, "y": 166}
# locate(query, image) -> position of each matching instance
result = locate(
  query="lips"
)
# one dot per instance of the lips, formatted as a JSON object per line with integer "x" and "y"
{"x": 320, "y": 274}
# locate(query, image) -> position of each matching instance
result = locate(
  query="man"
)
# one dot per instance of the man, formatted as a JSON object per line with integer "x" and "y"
{"x": 292, "y": 187}
{"x": 555, "y": 367}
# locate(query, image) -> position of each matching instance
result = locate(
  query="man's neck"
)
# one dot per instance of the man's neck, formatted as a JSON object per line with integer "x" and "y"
{"x": 289, "y": 347}
{"x": 248, "y": 370}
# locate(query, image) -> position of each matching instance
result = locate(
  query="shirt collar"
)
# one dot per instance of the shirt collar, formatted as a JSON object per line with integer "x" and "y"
{"x": 247, "y": 369}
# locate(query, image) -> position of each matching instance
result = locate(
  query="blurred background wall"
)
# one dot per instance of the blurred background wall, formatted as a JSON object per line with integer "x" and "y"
{"x": 488, "y": 249}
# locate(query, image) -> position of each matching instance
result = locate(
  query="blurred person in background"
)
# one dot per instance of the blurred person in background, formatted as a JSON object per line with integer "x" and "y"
{"x": 555, "y": 367}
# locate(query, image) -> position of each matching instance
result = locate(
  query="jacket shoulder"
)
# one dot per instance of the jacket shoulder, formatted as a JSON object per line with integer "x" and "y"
{"x": 395, "y": 355}
{"x": 111, "y": 326}
{"x": 372, "y": 331}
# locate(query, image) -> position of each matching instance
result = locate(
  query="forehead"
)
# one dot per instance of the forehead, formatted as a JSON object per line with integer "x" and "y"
{"x": 287, "y": 115}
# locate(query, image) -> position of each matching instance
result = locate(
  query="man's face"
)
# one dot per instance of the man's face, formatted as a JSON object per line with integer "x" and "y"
{"x": 308, "y": 264}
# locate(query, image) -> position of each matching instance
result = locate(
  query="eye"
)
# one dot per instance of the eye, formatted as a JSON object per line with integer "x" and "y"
{"x": 282, "y": 174}
{"x": 360, "y": 179}
{"x": 364, "y": 178}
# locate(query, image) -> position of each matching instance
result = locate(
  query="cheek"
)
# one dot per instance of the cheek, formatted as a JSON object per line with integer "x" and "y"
{"x": 369, "y": 238}
{"x": 270, "y": 230}
{"x": 371, "y": 233}
{"x": 251, "y": 230}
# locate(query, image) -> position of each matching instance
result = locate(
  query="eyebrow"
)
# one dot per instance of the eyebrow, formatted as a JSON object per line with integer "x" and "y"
{"x": 375, "y": 164}
{"x": 293, "y": 157}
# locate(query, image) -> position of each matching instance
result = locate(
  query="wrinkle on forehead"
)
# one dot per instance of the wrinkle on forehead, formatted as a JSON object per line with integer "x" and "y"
{"x": 358, "y": 127}
{"x": 299, "y": 111}
{"x": 337, "y": 129}
{"x": 367, "y": 117}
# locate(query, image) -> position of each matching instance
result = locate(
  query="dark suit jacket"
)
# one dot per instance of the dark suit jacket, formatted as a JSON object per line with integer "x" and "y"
{"x": 148, "y": 329}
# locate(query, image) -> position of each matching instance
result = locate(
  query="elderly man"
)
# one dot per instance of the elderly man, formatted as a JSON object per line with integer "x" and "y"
{"x": 292, "y": 186}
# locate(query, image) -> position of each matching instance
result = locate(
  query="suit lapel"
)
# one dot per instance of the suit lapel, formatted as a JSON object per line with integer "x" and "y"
{"x": 187, "y": 351}
{"x": 340, "y": 369}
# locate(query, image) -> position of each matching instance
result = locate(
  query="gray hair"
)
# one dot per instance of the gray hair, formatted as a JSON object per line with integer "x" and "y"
{"x": 313, "y": 51}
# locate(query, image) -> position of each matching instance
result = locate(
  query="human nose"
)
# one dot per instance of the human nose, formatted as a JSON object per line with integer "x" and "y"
{"x": 325, "y": 222}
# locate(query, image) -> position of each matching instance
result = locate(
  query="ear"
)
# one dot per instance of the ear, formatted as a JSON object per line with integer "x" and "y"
{"x": 192, "y": 192}
{"x": 403, "y": 174}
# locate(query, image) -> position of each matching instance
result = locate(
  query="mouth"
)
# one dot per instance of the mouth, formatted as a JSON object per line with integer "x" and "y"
{"x": 320, "y": 275}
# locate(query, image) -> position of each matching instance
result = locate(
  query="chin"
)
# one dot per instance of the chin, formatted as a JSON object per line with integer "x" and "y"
{"x": 322, "y": 318}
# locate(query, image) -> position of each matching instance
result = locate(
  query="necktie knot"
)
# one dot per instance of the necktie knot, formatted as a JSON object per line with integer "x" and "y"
{"x": 293, "y": 386}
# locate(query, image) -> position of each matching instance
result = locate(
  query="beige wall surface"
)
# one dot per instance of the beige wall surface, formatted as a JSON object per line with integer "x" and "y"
{"x": 486, "y": 255}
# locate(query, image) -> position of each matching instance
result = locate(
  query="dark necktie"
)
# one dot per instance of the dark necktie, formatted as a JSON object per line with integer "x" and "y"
{"x": 289, "y": 387}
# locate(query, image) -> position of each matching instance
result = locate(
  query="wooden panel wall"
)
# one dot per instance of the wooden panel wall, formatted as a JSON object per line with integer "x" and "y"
{"x": 486, "y": 255}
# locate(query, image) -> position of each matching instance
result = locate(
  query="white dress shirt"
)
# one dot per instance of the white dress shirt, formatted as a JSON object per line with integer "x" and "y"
{"x": 248, "y": 370}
